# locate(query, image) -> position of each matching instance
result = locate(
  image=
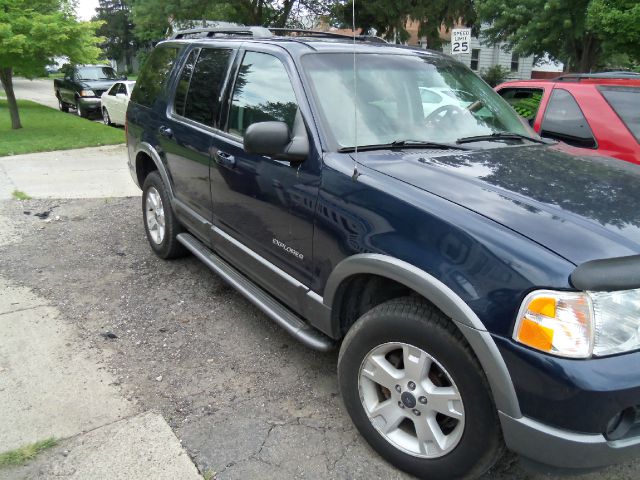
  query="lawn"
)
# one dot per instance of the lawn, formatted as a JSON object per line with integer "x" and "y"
{"x": 46, "y": 129}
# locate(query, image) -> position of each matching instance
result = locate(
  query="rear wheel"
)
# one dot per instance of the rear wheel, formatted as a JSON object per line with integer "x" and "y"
{"x": 62, "y": 106}
{"x": 416, "y": 392}
{"x": 160, "y": 223}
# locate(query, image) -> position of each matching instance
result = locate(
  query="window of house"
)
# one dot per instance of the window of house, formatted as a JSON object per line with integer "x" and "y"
{"x": 262, "y": 92}
{"x": 475, "y": 58}
{"x": 515, "y": 62}
{"x": 563, "y": 120}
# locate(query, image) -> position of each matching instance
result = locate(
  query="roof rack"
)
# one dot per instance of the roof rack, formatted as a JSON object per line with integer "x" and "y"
{"x": 210, "y": 32}
{"x": 572, "y": 77}
{"x": 320, "y": 34}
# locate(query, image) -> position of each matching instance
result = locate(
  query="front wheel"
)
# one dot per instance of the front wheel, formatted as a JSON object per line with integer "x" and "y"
{"x": 416, "y": 392}
{"x": 160, "y": 223}
{"x": 81, "y": 112}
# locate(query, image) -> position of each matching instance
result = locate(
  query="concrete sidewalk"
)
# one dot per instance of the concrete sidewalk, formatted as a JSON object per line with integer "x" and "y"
{"x": 52, "y": 384}
{"x": 81, "y": 173}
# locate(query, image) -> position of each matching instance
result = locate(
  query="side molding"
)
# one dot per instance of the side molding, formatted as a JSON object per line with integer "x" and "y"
{"x": 448, "y": 302}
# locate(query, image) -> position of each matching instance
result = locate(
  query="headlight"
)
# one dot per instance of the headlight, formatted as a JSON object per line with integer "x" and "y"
{"x": 87, "y": 93}
{"x": 580, "y": 324}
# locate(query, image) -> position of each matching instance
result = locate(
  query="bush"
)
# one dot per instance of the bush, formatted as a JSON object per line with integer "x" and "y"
{"x": 495, "y": 75}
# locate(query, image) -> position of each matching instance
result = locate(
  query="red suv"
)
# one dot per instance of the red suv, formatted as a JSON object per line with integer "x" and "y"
{"x": 596, "y": 114}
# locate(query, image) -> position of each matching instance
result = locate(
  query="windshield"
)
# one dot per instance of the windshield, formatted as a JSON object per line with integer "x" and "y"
{"x": 97, "y": 73}
{"x": 405, "y": 97}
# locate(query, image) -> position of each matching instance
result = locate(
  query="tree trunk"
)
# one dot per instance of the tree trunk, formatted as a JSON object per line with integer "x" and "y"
{"x": 6, "y": 78}
{"x": 589, "y": 55}
{"x": 284, "y": 16}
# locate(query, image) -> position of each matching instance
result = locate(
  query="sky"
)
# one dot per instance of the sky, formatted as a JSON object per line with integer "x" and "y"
{"x": 86, "y": 9}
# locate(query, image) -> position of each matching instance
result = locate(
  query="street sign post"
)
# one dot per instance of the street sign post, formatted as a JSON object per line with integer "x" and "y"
{"x": 460, "y": 41}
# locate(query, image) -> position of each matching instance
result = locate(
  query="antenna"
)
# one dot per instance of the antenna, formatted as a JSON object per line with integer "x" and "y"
{"x": 354, "y": 177}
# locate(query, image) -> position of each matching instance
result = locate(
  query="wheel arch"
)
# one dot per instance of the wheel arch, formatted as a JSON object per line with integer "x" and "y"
{"x": 147, "y": 160}
{"x": 445, "y": 299}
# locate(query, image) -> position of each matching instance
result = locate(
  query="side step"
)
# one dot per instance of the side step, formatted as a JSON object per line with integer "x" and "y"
{"x": 288, "y": 320}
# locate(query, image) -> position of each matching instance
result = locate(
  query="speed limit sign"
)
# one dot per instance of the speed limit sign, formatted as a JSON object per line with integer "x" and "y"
{"x": 460, "y": 40}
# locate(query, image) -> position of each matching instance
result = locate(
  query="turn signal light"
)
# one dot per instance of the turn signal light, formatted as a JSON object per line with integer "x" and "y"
{"x": 559, "y": 323}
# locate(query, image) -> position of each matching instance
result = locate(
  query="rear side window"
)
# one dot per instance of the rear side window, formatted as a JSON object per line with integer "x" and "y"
{"x": 183, "y": 84}
{"x": 262, "y": 92}
{"x": 207, "y": 80}
{"x": 625, "y": 101}
{"x": 563, "y": 120}
{"x": 153, "y": 75}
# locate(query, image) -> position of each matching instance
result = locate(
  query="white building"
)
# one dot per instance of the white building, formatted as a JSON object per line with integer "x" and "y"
{"x": 482, "y": 57}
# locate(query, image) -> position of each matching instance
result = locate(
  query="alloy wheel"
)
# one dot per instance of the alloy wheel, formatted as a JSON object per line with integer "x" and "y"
{"x": 411, "y": 400}
{"x": 154, "y": 213}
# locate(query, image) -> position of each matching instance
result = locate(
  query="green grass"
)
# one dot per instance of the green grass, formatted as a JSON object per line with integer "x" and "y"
{"x": 20, "y": 195}
{"x": 45, "y": 129}
{"x": 23, "y": 454}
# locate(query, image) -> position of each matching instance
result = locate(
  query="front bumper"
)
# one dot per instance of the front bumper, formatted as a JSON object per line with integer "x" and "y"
{"x": 564, "y": 449}
{"x": 89, "y": 103}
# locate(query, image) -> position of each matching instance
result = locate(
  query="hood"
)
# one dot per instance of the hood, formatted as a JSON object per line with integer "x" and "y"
{"x": 97, "y": 84}
{"x": 582, "y": 208}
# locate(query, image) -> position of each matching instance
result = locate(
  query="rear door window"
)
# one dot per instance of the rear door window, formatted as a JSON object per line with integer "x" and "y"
{"x": 202, "y": 102}
{"x": 183, "y": 83}
{"x": 154, "y": 75}
{"x": 262, "y": 92}
{"x": 625, "y": 101}
{"x": 564, "y": 121}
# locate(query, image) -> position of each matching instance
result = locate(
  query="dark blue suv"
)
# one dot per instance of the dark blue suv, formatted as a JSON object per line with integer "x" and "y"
{"x": 484, "y": 286}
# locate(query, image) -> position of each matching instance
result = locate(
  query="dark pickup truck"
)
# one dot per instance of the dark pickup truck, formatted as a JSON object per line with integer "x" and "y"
{"x": 82, "y": 87}
{"x": 483, "y": 286}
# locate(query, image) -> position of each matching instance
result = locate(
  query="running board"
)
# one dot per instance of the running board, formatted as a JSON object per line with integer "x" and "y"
{"x": 284, "y": 317}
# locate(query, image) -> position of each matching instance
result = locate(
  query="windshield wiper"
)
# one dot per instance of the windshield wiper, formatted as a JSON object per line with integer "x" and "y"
{"x": 399, "y": 144}
{"x": 502, "y": 136}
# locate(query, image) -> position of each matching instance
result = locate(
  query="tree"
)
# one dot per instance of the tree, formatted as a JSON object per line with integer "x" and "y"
{"x": 495, "y": 74}
{"x": 389, "y": 17}
{"x": 577, "y": 32}
{"x": 618, "y": 24}
{"x": 153, "y": 18}
{"x": 117, "y": 29}
{"x": 32, "y": 32}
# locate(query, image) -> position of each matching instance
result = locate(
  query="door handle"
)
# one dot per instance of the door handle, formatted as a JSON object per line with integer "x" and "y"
{"x": 165, "y": 131}
{"x": 225, "y": 159}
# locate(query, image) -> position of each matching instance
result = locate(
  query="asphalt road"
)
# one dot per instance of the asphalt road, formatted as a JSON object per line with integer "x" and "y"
{"x": 246, "y": 400}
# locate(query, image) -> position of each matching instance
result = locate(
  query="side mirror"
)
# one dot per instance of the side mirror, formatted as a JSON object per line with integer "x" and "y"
{"x": 123, "y": 77}
{"x": 273, "y": 139}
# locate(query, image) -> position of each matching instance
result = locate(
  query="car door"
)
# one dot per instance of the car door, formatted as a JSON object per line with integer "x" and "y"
{"x": 108, "y": 101}
{"x": 67, "y": 91}
{"x": 263, "y": 207}
{"x": 185, "y": 136}
{"x": 564, "y": 120}
{"x": 120, "y": 103}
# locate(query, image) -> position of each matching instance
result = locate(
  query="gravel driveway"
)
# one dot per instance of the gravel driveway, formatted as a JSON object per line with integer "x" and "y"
{"x": 246, "y": 400}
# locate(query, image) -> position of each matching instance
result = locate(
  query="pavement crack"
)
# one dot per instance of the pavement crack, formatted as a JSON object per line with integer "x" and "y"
{"x": 33, "y": 307}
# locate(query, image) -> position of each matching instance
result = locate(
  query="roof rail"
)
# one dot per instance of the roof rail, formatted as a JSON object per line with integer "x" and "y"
{"x": 320, "y": 34}
{"x": 570, "y": 77}
{"x": 209, "y": 32}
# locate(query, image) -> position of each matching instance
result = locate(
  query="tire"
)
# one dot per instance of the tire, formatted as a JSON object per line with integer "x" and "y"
{"x": 62, "y": 106}
{"x": 81, "y": 112}
{"x": 160, "y": 223}
{"x": 106, "y": 118}
{"x": 407, "y": 332}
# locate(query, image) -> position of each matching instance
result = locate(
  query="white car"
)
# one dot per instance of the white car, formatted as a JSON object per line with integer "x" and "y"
{"x": 114, "y": 102}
